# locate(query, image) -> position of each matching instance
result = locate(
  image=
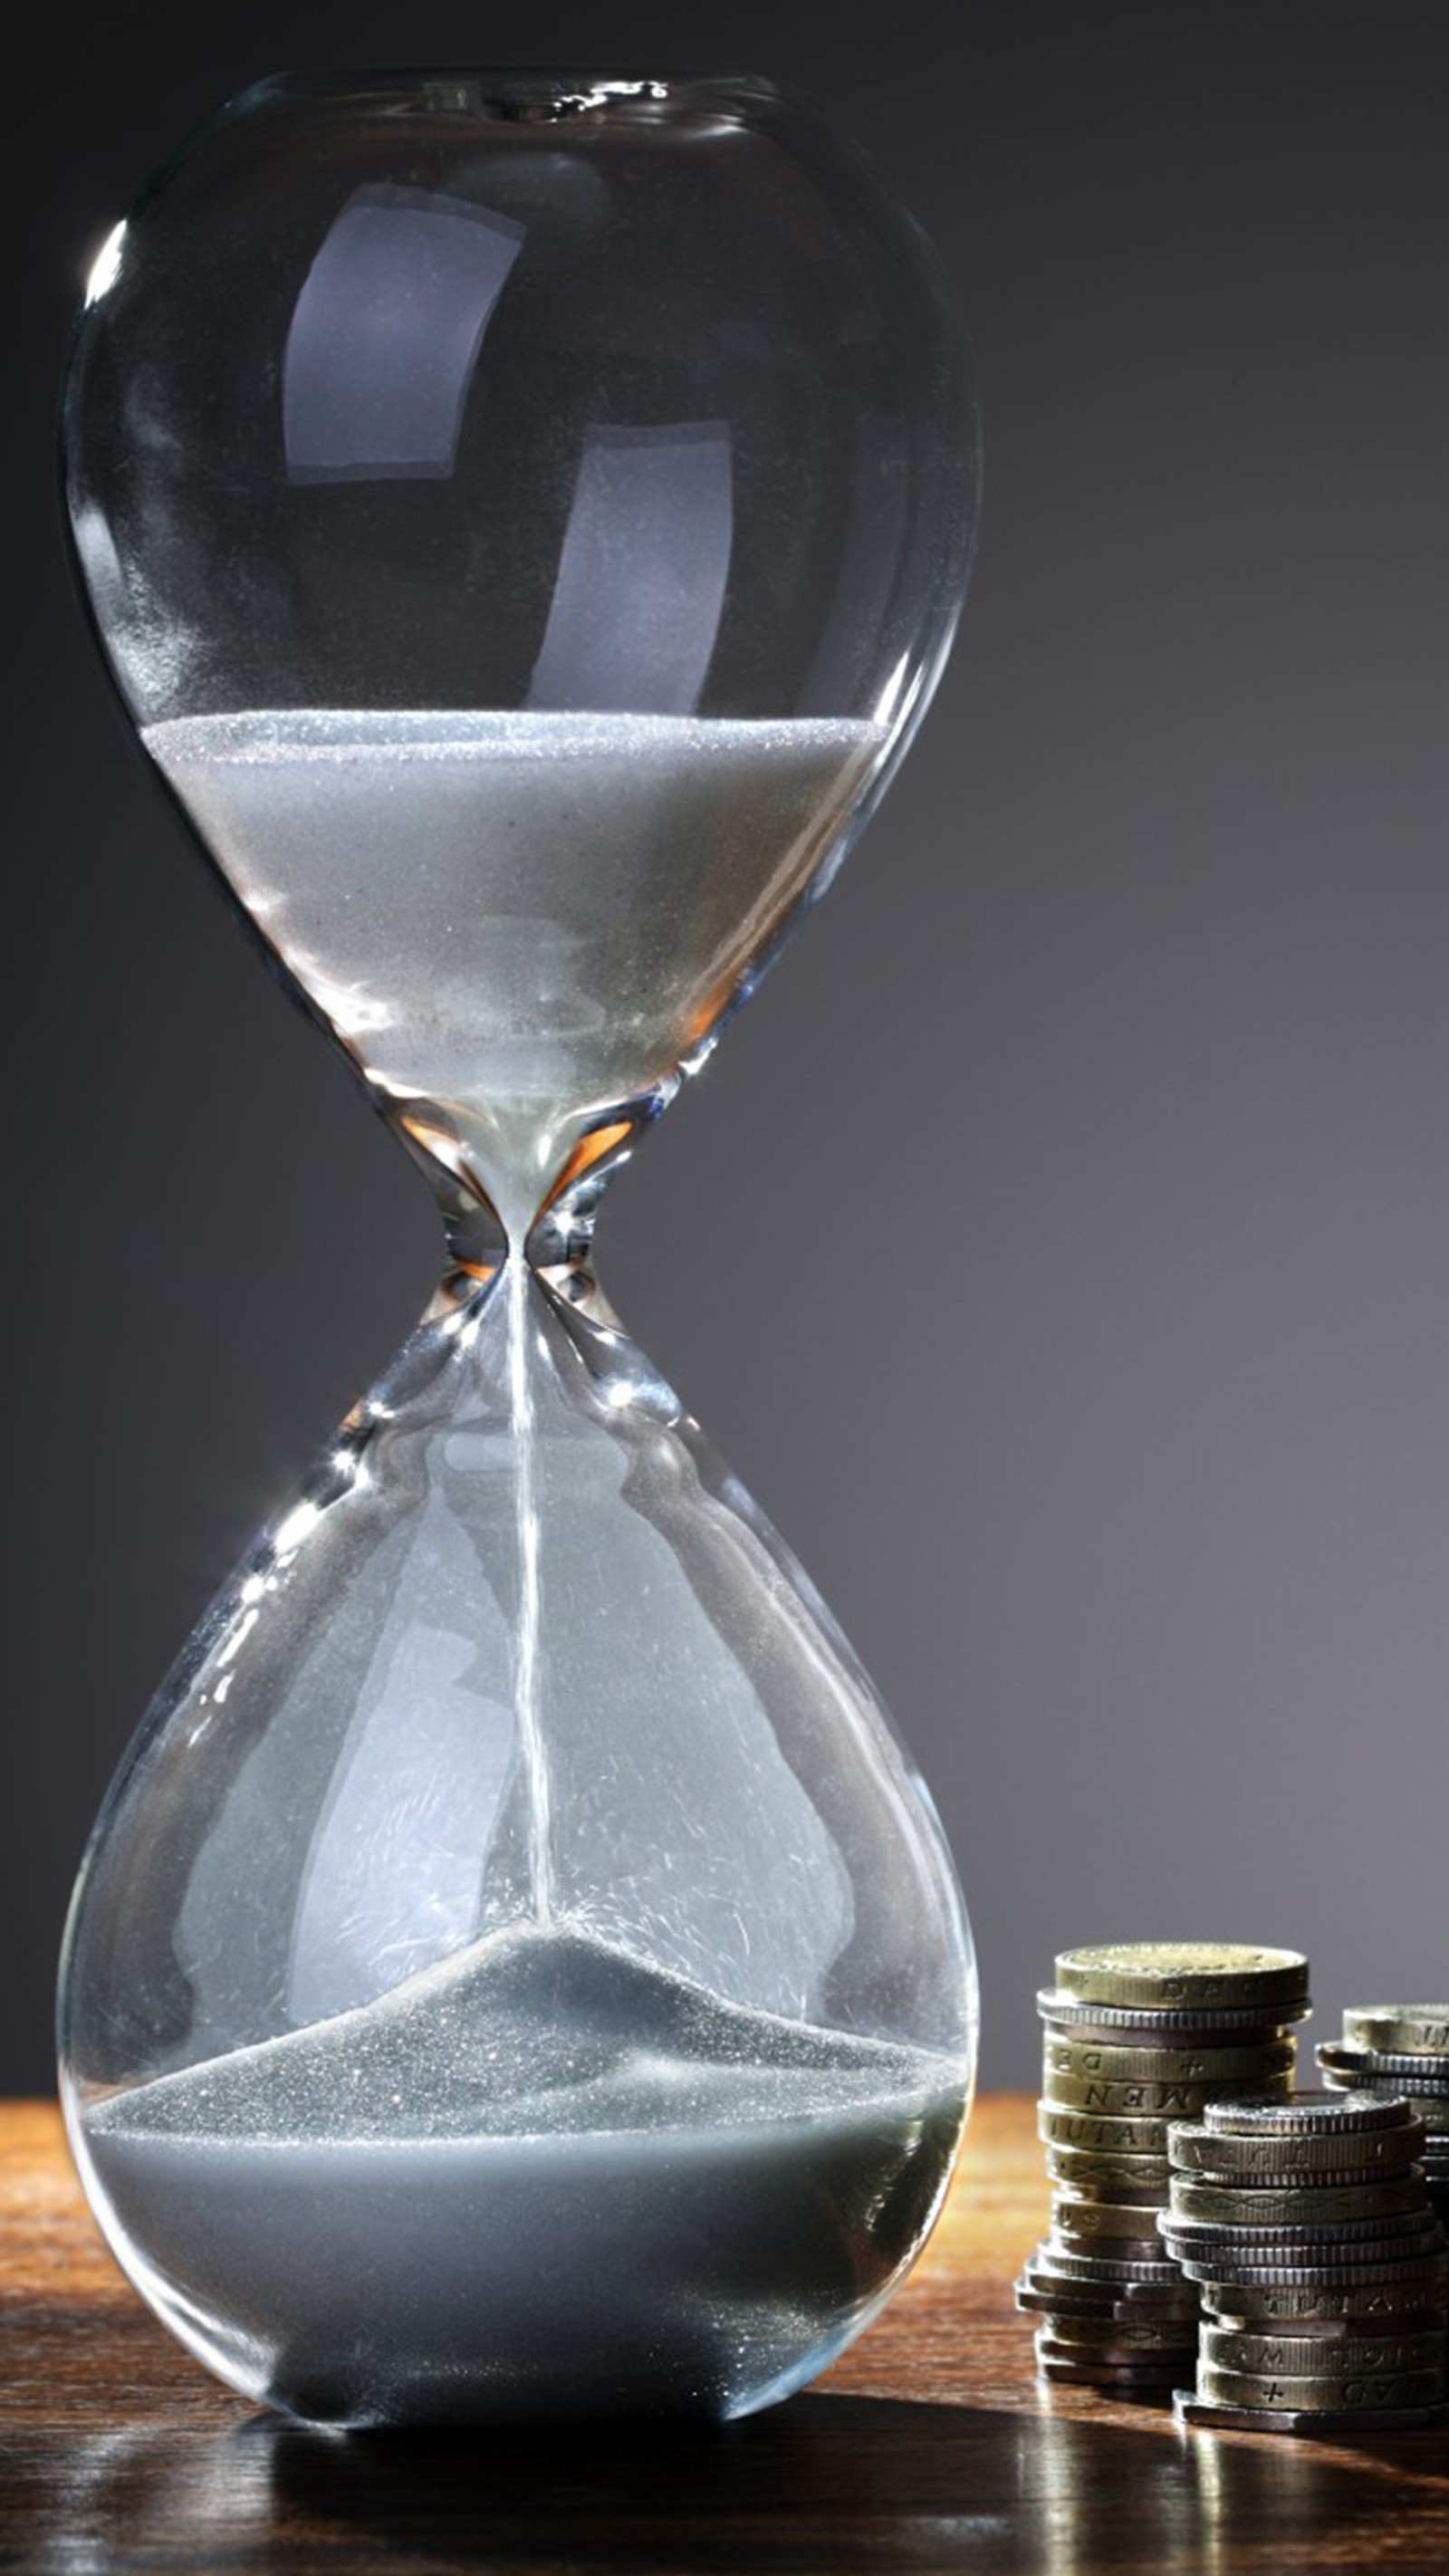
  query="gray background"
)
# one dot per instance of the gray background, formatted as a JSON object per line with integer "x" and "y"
{"x": 1059, "y": 1246}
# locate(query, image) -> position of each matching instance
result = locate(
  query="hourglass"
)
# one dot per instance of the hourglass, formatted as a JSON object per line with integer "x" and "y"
{"x": 517, "y": 1970}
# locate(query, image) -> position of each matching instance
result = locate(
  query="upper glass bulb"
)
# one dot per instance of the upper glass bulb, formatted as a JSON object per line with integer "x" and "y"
{"x": 525, "y": 516}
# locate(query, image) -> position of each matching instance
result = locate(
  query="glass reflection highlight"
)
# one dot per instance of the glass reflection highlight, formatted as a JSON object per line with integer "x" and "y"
{"x": 385, "y": 336}
{"x": 642, "y": 575}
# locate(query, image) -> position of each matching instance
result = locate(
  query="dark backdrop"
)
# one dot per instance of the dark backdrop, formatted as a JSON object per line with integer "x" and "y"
{"x": 1059, "y": 1246}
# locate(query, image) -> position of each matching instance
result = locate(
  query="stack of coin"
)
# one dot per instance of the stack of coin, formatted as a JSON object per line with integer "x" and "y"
{"x": 1402, "y": 2049}
{"x": 1322, "y": 2266}
{"x": 1137, "y": 2035}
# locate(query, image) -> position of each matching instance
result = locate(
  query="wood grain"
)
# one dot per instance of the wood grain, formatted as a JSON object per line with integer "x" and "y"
{"x": 930, "y": 2447}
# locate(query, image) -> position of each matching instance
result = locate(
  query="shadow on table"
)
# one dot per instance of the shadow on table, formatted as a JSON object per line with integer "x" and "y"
{"x": 826, "y": 2483}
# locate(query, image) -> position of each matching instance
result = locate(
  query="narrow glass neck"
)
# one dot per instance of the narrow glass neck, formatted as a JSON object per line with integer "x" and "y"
{"x": 485, "y": 1227}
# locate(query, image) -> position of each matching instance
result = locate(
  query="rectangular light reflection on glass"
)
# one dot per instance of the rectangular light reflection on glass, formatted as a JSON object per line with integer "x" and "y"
{"x": 642, "y": 572}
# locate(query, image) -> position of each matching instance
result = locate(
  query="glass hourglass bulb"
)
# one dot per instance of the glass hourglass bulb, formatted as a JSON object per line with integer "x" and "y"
{"x": 518, "y": 1970}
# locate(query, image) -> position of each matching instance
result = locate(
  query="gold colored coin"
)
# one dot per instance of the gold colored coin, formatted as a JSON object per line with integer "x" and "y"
{"x": 1320, "y": 2356}
{"x": 1108, "y": 2136}
{"x": 1261, "y": 2303}
{"x": 1416, "y": 2029}
{"x": 1305, "y": 2205}
{"x": 1351, "y": 2155}
{"x": 1371, "y": 2389}
{"x": 1079, "y": 2191}
{"x": 1172, "y": 2334}
{"x": 1078, "y": 2215}
{"x": 1251, "y": 2067}
{"x": 1155, "y": 2101}
{"x": 1169, "y": 1975}
{"x": 1140, "y": 2175}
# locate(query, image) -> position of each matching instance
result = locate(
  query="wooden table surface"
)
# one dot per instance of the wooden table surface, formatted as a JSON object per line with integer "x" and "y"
{"x": 930, "y": 2446}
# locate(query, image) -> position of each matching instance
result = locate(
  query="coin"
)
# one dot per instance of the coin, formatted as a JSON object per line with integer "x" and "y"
{"x": 1134, "y": 2299}
{"x": 1102, "y": 2267}
{"x": 1375, "y": 2389}
{"x": 1112, "y": 2136}
{"x": 1307, "y": 2113}
{"x": 1084, "y": 2164}
{"x": 1118, "y": 2096}
{"x": 1318, "y": 2179}
{"x": 1098, "y": 2273}
{"x": 1324, "y": 2422}
{"x": 1310, "y": 2204}
{"x": 1322, "y": 2309}
{"x": 1271, "y": 2157}
{"x": 1320, "y": 2356}
{"x": 1431, "y": 2066}
{"x": 1331, "y": 2234}
{"x": 1072, "y": 2055}
{"x": 1072, "y": 2209}
{"x": 1430, "y": 2107}
{"x": 1291, "y": 2271}
{"x": 1424, "y": 2066}
{"x": 1130, "y": 2249}
{"x": 1170, "y": 2361}
{"x": 1399, "y": 2026}
{"x": 1052, "y": 2297}
{"x": 1130, "y": 2380}
{"x": 1079, "y": 2191}
{"x": 1057, "y": 2301}
{"x": 1347, "y": 2071}
{"x": 1174, "y": 1975}
{"x": 1300, "y": 2262}
{"x": 1238, "y": 2024}
{"x": 1103, "y": 2335}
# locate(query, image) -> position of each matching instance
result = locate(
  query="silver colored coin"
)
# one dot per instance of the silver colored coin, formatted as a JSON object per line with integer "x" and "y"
{"x": 1345, "y": 2056}
{"x": 1319, "y": 2179}
{"x": 1308, "y": 2262}
{"x": 1325, "y": 2423}
{"x": 1071, "y": 2054}
{"x": 1277, "y": 2160}
{"x": 1426, "y": 2096}
{"x": 1320, "y": 2356}
{"x": 1307, "y": 2114}
{"x": 1410, "y": 2027}
{"x": 1175, "y": 1975}
{"x": 1220, "y": 2265}
{"x": 1333, "y": 2235}
{"x": 1430, "y": 2066}
{"x": 1366, "y": 2389}
{"x": 1237, "y": 2023}
{"x": 1303, "y": 2204}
